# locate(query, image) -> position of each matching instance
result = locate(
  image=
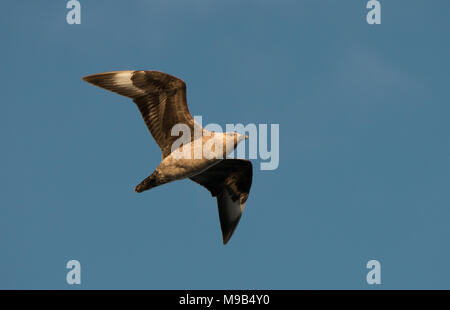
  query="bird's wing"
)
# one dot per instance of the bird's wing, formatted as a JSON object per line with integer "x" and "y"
{"x": 229, "y": 181}
{"x": 160, "y": 97}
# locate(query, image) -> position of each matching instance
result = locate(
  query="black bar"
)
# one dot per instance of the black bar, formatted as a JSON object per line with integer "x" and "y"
{"x": 219, "y": 299}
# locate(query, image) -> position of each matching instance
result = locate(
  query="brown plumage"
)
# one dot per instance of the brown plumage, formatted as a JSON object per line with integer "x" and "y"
{"x": 161, "y": 100}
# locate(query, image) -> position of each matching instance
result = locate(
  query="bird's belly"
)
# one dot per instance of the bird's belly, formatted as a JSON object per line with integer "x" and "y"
{"x": 190, "y": 159}
{"x": 173, "y": 169}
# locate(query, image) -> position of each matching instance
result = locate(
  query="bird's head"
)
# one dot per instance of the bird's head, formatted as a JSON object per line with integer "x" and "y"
{"x": 237, "y": 137}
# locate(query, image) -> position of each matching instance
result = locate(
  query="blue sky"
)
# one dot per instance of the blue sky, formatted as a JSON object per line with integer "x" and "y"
{"x": 364, "y": 145}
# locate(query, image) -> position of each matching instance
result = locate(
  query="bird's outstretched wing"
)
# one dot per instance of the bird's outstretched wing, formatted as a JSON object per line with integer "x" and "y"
{"x": 160, "y": 97}
{"x": 229, "y": 181}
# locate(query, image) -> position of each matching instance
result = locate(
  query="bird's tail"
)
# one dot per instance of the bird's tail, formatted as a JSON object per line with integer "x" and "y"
{"x": 152, "y": 181}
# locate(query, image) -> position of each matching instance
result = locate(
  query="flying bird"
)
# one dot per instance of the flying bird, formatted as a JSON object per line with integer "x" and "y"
{"x": 161, "y": 100}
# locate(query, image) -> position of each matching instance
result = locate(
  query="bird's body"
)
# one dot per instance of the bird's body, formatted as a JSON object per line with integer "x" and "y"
{"x": 161, "y": 99}
{"x": 193, "y": 158}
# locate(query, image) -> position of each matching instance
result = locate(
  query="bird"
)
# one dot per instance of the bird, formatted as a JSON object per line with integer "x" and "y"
{"x": 161, "y": 100}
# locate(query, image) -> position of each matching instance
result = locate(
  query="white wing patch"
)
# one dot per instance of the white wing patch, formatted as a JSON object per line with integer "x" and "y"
{"x": 233, "y": 208}
{"x": 229, "y": 214}
{"x": 122, "y": 80}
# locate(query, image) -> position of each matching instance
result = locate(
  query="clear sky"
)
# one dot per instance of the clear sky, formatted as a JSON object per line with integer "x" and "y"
{"x": 364, "y": 167}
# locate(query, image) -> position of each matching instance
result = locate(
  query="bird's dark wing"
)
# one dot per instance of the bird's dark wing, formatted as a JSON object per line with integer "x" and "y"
{"x": 160, "y": 97}
{"x": 229, "y": 181}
